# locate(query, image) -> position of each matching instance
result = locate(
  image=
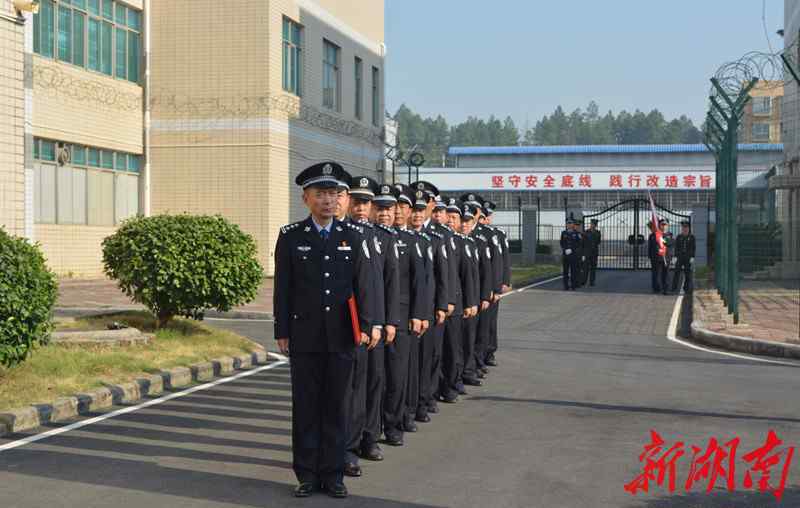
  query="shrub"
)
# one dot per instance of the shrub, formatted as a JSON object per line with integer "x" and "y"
{"x": 181, "y": 265}
{"x": 28, "y": 291}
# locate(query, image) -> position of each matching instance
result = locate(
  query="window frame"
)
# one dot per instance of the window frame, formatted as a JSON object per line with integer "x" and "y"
{"x": 292, "y": 75}
{"x": 336, "y": 74}
{"x": 358, "y": 70}
{"x": 757, "y": 138}
{"x": 376, "y": 97}
{"x": 762, "y": 100}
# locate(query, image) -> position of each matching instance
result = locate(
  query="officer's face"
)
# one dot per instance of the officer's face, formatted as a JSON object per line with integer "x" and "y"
{"x": 664, "y": 227}
{"x": 685, "y": 230}
{"x": 401, "y": 215}
{"x": 384, "y": 215}
{"x": 342, "y": 203}
{"x": 439, "y": 216}
{"x": 360, "y": 209}
{"x": 466, "y": 225}
{"x": 321, "y": 202}
{"x": 454, "y": 221}
{"x": 417, "y": 217}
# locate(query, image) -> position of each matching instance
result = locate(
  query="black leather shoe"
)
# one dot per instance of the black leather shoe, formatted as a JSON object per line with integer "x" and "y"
{"x": 394, "y": 440}
{"x": 422, "y": 418}
{"x": 351, "y": 469}
{"x": 460, "y": 389}
{"x": 305, "y": 489}
{"x": 480, "y": 374}
{"x": 473, "y": 382}
{"x": 491, "y": 362}
{"x": 484, "y": 369}
{"x": 450, "y": 398}
{"x": 372, "y": 452}
{"x": 433, "y": 407}
{"x": 409, "y": 425}
{"x": 337, "y": 490}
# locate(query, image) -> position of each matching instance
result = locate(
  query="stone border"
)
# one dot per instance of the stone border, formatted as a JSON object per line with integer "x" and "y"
{"x": 99, "y": 311}
{"x": 123, "y": 337}
{"x": 66, "y": 408}
{"x": 759, "y": 347}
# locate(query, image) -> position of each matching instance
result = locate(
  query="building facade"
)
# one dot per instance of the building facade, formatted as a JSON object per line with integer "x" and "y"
{"x": 244, "y": 95}
{"x": 762, "y": 114}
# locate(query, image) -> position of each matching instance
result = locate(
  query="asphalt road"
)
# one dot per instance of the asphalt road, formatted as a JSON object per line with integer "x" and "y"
{"x": 583, "y": 378}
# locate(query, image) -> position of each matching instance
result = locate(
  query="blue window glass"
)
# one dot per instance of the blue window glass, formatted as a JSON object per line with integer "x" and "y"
{"x": 48, "y": 150}
{"x": 120, "y": 14}
{"x": 35, "y": 148}
{"x": 78, "y": 22}
{"x": 94, "y": 7}
{"x": 108, "y": 10}
{"x": 133, "y": 57}
{"x": 135, "y": 20}
{"x": 94, "y": 44}
{"x": 134, "y": 163}
{"x": 79, "y": 155}
{"x": 94, "y": 157}
{"x": 107, "y": 159}
{"x": 122, "y": 52}
{"x": 105, "y": 48}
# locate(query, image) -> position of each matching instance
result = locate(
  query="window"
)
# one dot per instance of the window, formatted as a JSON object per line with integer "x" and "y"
{"x": 330, "y": 76}
{"x": 292, "y": 57}
{"x": 102, "y": 35}
{"x": 762, "y": 105}
{"x": 81, "y": 192}
{"x": 359, "y": 68}
{"x": 760, "y": 132}
{"x": 376, "y": 98}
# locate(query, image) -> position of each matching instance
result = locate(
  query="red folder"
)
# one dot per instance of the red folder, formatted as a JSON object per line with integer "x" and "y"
{"x": 351, "y": 302}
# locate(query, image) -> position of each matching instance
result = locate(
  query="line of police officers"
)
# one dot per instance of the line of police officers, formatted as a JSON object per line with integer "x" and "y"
{"x": 426, "y": 272}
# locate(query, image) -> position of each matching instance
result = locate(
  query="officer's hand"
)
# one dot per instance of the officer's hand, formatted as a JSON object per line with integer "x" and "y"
{"x": 474, "y": 310}
{"x": 425, "y": 325}
{"x": 484, "y": 305}
{"x": 283, "y": 345}
{"x": 691, "y": 261}
{"x": 440, "y": 316}
{"x": 391, "y": 332}
{"x": 495, "y": 298}
{"x": 364, "y": 338}
{"x": 415, "y": 325}
{"x": 506, "y": 288}
{"x": 568, "y": 252}
{"x": 375, "y": 339}
{"x": 450, "y": 309}
{"x": 467, "y": 313}
{"x": 583, "y": 258}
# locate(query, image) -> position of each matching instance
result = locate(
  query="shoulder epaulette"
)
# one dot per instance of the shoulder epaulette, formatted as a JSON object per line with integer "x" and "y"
{"x": 447, "y": 228}
{"x": 354, "y": 227}
{"x": 483, "y": 238}
{"x": 469, "y": 238}
{"x": 388, "y": 229}
{"x": 367, "y": 224}
{"x": 409, "y": 232}
{"x": 285, "y": 229}
{"x": 424, "y": 235}
{"x": 436, "y": 234}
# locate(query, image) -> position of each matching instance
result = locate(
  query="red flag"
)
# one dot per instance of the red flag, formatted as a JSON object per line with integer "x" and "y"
{"x": 662, "y": 248}
{"x": 351, "y": 303}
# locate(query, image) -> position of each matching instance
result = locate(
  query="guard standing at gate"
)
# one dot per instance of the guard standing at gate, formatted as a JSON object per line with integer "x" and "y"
{"x": 320, "y": 263}
{"x": 592, "y": 241}
{"x": 684, "y": 255}
{"x": 659, "y": 264}
{"x": 393, "y": 208}
{"x": 570, "y": 251}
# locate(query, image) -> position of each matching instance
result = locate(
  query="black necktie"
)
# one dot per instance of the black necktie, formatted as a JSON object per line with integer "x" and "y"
{"x": 324, "y": 234}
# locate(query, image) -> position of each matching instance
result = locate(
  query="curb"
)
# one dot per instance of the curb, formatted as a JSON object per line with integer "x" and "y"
{"x": 65, "y": 408}
{"x": 124, "y": 337}
{"x": 534, "y": 280}
{"x": 100, "y": 311}
{"x": 748, "y": 345}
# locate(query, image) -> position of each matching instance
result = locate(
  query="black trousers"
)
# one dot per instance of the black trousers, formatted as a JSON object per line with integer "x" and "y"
{"x": 320, "y": 408}
{"x": 658, "y": 273}
{"x": 482, "y": 337}
{"x": 452, "y": 355}
{"x": 357, "y": 399}
{"x": 427, "y": 346}
{"x": 412, "y": 387}
{"x": 470, "y": 370}
{"x": 491, "y": 346}
{"x": 436, "y": 361}
{"x": 397, "y": 357}
{"x": 569, "y": 270}
{"x": 376, "y": 381}
{"x": 685, "y": 266}
{"x": 589, "y": 269}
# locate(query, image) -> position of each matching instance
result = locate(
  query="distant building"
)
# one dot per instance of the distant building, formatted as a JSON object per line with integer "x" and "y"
{"x": 762, "y": 114}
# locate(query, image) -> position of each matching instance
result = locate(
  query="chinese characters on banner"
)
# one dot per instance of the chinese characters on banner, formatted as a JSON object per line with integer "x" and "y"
{"x": 700, "y": 180}
{"x": 765, "y": 468}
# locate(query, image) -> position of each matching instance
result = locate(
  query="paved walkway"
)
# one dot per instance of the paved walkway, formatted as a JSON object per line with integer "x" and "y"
{"x": 583, "y": 378}
{"x": 103, "y": 293}
{"x": 767, "y": 310}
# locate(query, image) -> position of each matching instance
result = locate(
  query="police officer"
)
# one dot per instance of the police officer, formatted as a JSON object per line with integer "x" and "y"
{"x": 354, "y": 211}
{"x": 684, "y": 255}
{"x": 592, "y": 241}
{"x": 500, "y": 241}
{"x": 482, "y": 282}
{"x": 466, "y": 305}
{"x": 319, "y": 263}
{"x": 393, "y": 206}
{"x": 659, "y": 263}
{"x": 570, "y": 251}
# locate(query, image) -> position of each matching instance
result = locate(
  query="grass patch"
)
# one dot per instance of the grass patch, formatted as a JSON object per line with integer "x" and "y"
{"x": 140, "y": 320}
{"x": 58, "y": 371}
{"x": 520, "y": 274}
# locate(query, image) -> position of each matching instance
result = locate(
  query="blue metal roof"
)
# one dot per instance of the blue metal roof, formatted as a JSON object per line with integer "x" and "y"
{"x": 590, "y": 149}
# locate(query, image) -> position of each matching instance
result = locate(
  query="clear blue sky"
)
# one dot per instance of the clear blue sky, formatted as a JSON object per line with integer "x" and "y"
{"x": 524, "y": 57}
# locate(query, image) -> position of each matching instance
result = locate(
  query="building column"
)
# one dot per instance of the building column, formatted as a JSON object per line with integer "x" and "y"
{"x": 700, "y": 220}
{"x": 28, "y": 84}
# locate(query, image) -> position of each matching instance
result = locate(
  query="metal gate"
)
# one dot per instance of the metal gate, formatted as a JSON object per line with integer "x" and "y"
{"x": 625, "y": 228}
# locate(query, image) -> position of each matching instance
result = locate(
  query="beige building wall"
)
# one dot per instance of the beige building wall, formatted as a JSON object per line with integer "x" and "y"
{"x": 225, "y": 136}
{"x": 774, "y": 90}
{"x": 12, "y": 121}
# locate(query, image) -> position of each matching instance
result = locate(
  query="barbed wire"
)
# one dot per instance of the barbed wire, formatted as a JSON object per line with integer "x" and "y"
{"x": 55, "y": 81}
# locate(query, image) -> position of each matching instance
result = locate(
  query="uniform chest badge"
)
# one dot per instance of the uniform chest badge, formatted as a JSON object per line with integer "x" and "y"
{"x": 444, "y": 251}
{"x": 304, "y": 248}
{"x": 365, "y": 248}
{"x": 469, "y": 253}
{"x": 419, "y": 252}
{"x": 344, "y": 246}
{"x": 307, "y": 229}
{"x": 338, "y": 228}
{"x": 377, "y": 244}
{"x": 430, "y": 252}
{"x": 453, "y": 243}
{"x": 396, "y": 252}
{"x": 488, "y": 253}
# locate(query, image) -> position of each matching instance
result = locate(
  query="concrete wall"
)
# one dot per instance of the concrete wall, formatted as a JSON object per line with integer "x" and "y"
{"x": 226, "y": 138}
{"x": 12, "y": 122}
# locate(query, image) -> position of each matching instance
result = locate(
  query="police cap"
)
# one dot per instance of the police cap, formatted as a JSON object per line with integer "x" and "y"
{"x": 404, "y": 194}
{"x": 430, "y": 190}
{"x": 363, "y": 187}
{"x": 472, "y": 199}
{"x": 324, "y": 175}
{"x": 386, "y": 195}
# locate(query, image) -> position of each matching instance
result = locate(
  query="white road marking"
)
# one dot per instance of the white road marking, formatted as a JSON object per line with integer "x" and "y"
{"x": 536, "y": 284}
{"x": 245, "y": 320}
{"x": 77, "y": 425}
{"x": 672, "y": 336}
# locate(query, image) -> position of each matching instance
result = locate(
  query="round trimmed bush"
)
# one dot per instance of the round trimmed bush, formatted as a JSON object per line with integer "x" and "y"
{"x": 182, "y": 265}
{"x": 28, "y": 291}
